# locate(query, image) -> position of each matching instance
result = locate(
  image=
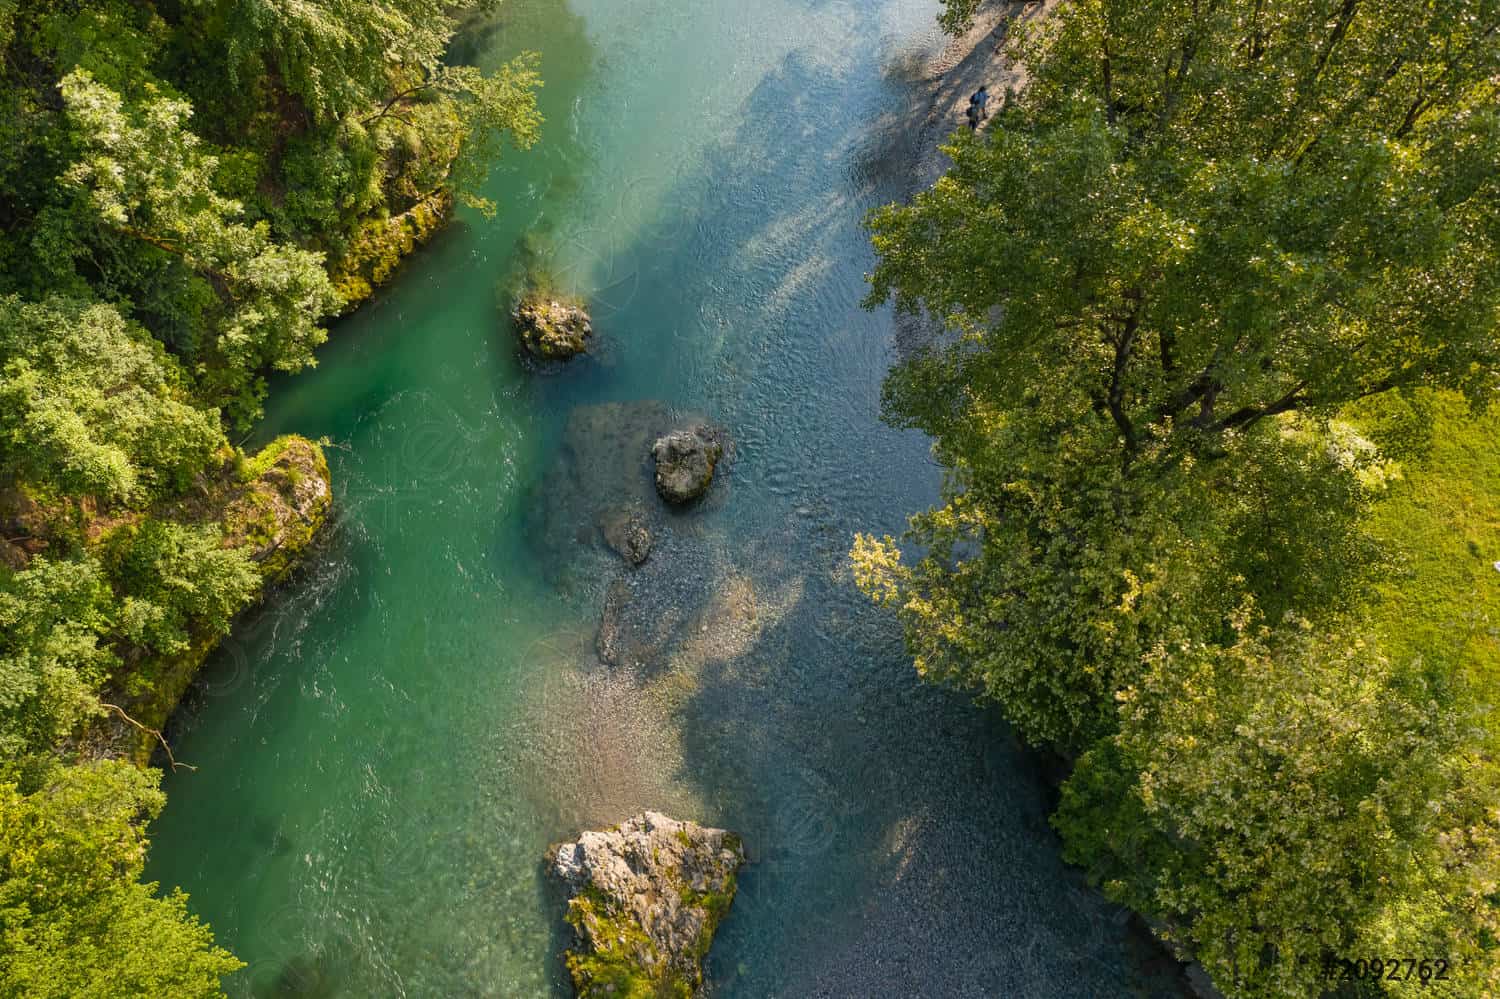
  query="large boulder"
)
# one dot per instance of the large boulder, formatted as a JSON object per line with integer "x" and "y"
{"x": 645, "y": 898}
{"x": 280, "y": 505}
{"x": 599, "y": 496}
{"x": 685, "y": 461}
{"x": 550, "y": 328}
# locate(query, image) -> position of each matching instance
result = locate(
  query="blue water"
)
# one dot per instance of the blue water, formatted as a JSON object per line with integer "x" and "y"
{"x": 388, "y": 746}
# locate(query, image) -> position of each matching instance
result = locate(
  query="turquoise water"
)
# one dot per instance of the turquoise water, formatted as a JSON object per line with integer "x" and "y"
{"x": 387, "y": 747}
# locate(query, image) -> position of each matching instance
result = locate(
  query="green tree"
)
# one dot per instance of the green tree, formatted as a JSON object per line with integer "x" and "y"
{"x": 1286, "y": 799}
{"x": 1143, "y": 269}
{"x": 75, "y": 921}
{"x": 1200, "y": 215}
{"x": 146, "y": 179}
{"x": 374, "y": 73}
{"x": 1050, "y": 571}
{"x": 90, "y": 405}
{"x": 1204, "y": 235}
{"x": 319, "y": 122}
{"x": 481, "y": 113}
{"x": 175, "y": 581}
{"x": 339, "y": 56}
{"x": 52, "y": 616}
{"x": 116, "y": 41}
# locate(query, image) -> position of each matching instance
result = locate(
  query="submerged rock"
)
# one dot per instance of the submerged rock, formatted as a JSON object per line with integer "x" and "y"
{"x": 645, "y": 899}
{"x": 626, "y": 531}
{"x": 552, "y": 329}
{"x": 640, "y": 619}
{"x": 304, "y": 977}
{"x": 685, "y": 461}
{"x": 601, "y": 471}
{"x": 601, "y": 467}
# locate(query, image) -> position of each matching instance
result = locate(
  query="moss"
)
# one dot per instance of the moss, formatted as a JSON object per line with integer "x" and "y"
{"x": 266, "y": 509}
{"x": 620, "y": 946}
{"x": 251, "y": 467}
{"x": 551, "y": 328}
{"x": 252, "y": 519}
{"x": 379, "y": 245}
{"x": 597, "y": 975}
{"x": 716, "y": 904}
{"x": 617, "y": 966}
{"x": 159, "y": 684}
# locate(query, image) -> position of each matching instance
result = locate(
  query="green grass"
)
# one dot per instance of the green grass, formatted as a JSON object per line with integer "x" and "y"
{"x": 1441, "y": 520}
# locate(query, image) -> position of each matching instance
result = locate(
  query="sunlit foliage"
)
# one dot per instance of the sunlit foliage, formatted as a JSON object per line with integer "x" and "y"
{"x": 178, "y": 182}
{"x": 1197, "y": 282}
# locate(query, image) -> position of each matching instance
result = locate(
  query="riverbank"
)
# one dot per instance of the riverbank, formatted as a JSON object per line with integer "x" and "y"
{"x": 967, "y": 62}
{"x": 271, "y": 506}
{"x": 977, "y": 58}
{"x": 945, "y": 81}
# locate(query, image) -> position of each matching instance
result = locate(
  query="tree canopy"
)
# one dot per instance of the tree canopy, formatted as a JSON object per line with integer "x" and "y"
{"x": 1292, "y": 795}
{"x": 1195, "y": 283}
{"x": 75, "y": 920}
{"x": 204, "y": 166}
{"x": 1201, "y": 215}
{"x": 241, "y": 303}
{"x": 188, "y": 189}
{"x": 91, "y": 405}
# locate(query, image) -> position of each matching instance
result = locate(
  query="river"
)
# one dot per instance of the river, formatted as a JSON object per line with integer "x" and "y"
{"x": 386, "y": 748}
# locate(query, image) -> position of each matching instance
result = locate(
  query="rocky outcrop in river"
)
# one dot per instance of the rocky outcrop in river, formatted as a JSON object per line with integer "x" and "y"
{"x": 599, "y": 497}
{"x": 645, "y": 899}
{"x": 685, "y": 461}
{"x": 551, "y": 329}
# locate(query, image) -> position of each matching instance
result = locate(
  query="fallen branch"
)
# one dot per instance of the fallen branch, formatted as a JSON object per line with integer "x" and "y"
{"x": 149, "y": 731}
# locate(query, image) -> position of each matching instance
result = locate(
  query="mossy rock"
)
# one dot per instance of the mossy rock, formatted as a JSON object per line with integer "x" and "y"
{"x": 552, "y": 327}
{"x": 283, "y": 503}
{"x": 379, "y": 246}
{"x": 647, "y": 897}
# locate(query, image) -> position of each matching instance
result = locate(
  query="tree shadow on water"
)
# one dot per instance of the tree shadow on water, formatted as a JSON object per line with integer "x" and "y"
{"x": 898, "y": 835}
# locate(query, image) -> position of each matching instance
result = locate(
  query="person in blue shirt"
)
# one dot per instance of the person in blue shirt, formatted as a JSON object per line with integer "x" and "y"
{"x": 978, "y": 106}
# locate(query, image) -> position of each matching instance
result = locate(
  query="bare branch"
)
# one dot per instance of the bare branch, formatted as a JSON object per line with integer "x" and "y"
{"x": 149, "y": 731}
{"x": 401, "y": 95}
